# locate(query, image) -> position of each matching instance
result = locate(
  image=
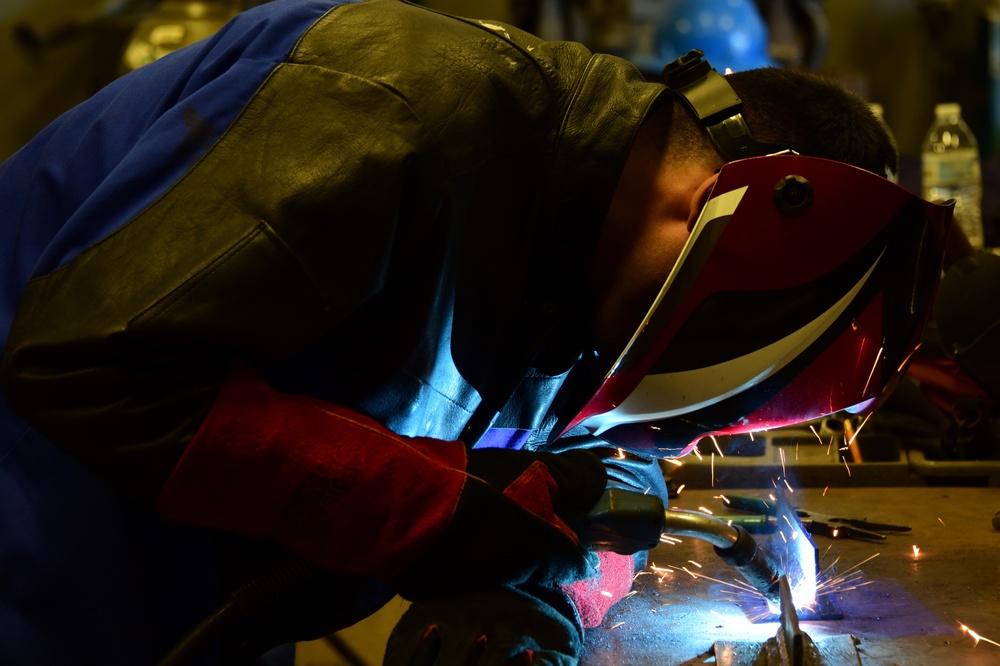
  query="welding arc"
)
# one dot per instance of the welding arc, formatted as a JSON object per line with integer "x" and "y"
{"x": 734, "y": 544}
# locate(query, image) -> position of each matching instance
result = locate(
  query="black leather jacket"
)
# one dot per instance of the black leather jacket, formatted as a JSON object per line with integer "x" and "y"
{"x": 399, "y": 221}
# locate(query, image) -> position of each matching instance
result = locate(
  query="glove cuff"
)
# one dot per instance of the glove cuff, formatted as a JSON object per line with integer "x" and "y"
{"x": 594, "y": 597}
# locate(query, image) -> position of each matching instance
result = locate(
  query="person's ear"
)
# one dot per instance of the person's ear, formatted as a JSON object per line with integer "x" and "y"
{"x": 700, "y": 198}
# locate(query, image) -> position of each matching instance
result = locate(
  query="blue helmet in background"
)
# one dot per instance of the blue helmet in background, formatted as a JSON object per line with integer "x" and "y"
{"x": 731, "y": 33}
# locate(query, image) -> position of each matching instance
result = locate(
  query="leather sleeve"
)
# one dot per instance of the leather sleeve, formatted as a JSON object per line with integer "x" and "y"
{"x": 287, "y": 225}
{"x": 331, "y": 485}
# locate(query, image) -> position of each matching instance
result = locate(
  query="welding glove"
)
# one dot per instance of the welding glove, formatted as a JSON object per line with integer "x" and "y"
{"x": 499, "y": 626}
{"x": 511, "y": 524}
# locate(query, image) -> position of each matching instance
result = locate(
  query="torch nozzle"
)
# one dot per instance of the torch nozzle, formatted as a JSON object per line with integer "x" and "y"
{"x": 754, "y": 564}
{"x": 734, "y": 544}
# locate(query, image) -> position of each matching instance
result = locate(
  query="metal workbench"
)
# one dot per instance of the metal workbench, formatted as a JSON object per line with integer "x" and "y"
{"x": 909, "y": 610}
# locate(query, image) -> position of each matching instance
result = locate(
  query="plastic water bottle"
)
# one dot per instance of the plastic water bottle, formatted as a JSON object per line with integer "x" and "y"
{"x": 950, "y": 169}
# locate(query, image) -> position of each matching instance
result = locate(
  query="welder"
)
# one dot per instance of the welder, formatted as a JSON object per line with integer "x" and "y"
{"x": 401, "y": 294}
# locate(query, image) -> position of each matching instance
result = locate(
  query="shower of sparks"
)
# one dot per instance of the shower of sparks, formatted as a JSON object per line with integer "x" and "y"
{"x": 716, "y": 442}
{"x": 976, "y": 637}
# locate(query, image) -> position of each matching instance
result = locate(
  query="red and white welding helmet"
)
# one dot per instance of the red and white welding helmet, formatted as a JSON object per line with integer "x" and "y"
{"x": 802, "y": 291}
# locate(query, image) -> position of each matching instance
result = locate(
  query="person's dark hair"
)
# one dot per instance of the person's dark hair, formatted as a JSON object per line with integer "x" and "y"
{"x": 811, "y": 114}
{"x": 815, "y": 116}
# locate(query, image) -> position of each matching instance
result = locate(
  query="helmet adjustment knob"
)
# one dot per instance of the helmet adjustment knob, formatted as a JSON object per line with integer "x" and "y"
{"x": 793, "y": 195}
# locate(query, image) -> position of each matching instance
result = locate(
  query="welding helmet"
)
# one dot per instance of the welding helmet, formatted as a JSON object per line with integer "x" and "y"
{"x": 802, "y": 291}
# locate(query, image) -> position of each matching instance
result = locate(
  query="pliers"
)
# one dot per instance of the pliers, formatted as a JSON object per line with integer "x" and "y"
{"x": 762, "y": 517}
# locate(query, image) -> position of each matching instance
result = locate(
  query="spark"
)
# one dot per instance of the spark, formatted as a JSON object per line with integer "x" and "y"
{"x": 723, "y": 498}
{"x": 697, "y": 453}
{"x": 942, "y": 522}
{"x": 813, "y": 428}
{"x": 828, "y": 446}
{"x": 673, "y": 541}
{"x": 751, "y": 435}
{"x": 916, "y": 551}
{"x": 824, "y": 491}
{"x": 716, "y": 442}
{"x": 615, "y": 626}
{"x": 849, "y": 436}
{"x": 681, "y": 487}
{"x": 713, "y": 469}
{"x": 782, "y": 453}
{"x": 674, "y": 461}
{"x": 772, "y": 497}
{"x": 662, "y": 571}
{"x": 705, "y": 510}
{"x": 796, "y": 450}
{"x": 878, "y": 357}
{"x": 605, "y": 593}
{"x": 844, "y": 458}
{"x": 695, "y": 563}
{"x": 976, "y": 637}
{"x": 689, "y": 572}
{"x": 621, "y": 454}
{"x": 790, "y": 489}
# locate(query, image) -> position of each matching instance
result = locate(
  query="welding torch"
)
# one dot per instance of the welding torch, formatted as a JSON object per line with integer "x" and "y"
{"x": 627, "y": 522}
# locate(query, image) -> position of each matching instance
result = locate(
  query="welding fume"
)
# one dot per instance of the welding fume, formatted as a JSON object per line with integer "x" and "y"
{"x": 356, "y": 300}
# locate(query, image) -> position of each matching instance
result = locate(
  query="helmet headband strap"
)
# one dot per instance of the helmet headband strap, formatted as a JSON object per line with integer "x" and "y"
{"x": 708, "y": 95}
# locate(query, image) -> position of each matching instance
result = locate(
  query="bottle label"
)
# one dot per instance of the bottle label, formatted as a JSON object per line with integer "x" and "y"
{"x": 951, "y": 168}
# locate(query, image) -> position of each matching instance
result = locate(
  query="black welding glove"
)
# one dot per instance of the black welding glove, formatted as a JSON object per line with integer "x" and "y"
{"x": 500, "y": 626}
{"x": 510, "y": 525}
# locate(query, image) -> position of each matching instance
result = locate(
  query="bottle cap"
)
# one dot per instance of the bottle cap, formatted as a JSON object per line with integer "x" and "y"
{"x": 950, "y": 109}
